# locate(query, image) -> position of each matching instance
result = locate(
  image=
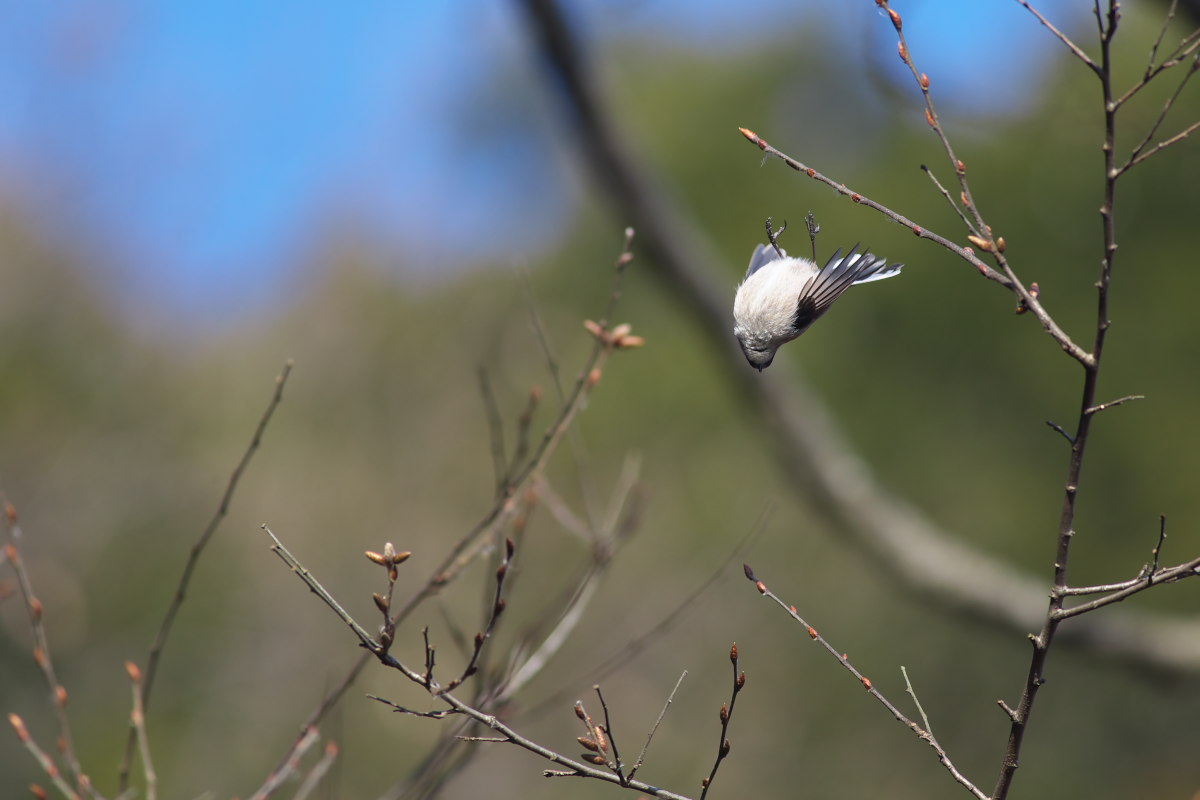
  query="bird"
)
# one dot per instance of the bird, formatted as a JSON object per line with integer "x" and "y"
{"x": 782, "y": 296}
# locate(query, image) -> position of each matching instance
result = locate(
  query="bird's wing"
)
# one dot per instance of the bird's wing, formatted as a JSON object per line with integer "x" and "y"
{"x": 763, "y": 254}
{"x": 838, "y": 275}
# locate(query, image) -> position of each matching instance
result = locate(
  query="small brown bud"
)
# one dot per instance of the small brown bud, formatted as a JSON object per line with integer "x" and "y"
{"x": 895, "y": 19}
{"x": 866, "y": 682}
{"x": 579, "y": 712}
{"x": 630, "y": 342}
{"x": 724, "y": 713}
{"x": 501, "y": 604}
{"x": 60, "y": 696}
{"x": 733, "y": 654}
{"x": 595, "y": 759}
{"x": 10, "y": 551}
{"x": 593, "y": 377}
{"x": 810, "y": 172}
{"x": 929, "y": 118}
{"x": 380, "y": 602}
{"x": 740, "y": 683}
{"x": 510, "y": 546}
{"x": 19, "y": 726}
{"x": 135, "y": 674}
{"x": 856, "y": 197}
{"x": 1034, "y": 290}
{"x": 965, "y": 201}
{"x": 39, "y": 657}
{"x": 588, "y": 743}
{"x": 38, "y": 792}
{"x": 981, "y": 243}
{"x": 376, "y": 557}
{"x": 1000, "y": 244}
{"x": 924, "y": 81}
{"x": 903, "y": 51}
{"x": 401, "y": 557}
{"x": 10, "y": 513}
{"x": 704, "y": 782}
{"x": 725, "y": 747}
{"x": 35, "y": 608}
{"x": 961, "y": 167}
{"x": 601, "y": 740}
{"x": 594, "y": 329}
{"x": 812, "y": 632}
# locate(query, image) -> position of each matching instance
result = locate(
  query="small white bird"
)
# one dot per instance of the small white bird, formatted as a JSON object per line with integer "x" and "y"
{"x": 781, "y": 296}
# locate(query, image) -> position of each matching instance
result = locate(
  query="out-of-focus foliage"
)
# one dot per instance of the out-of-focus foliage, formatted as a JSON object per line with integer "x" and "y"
{"x": 116, "y": 449}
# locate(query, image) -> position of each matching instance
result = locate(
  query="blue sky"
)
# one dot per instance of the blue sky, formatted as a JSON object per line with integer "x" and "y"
{"x": 197, "y": 153}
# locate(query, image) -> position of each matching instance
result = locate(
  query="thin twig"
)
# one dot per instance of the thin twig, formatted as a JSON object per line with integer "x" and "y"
{"x": 654, "y": 728}
{"x": 137, "y": 718}
{"x": 726, "y": 716}
{"x": 1188, "y": 569}
{"x": 185, "y": 579}
{"x": 573, "y": 768}
{"x": 495, "y": 429}
{"x": 290, "y": 765}
{"x": 505, "y": 506}
{"x": 1112, "y": 403}
{"x": 1062, "y": 37}
{"x": 319, "y": 770}
{"x": 41, "y": 655}
{"x": 841, "y": 658}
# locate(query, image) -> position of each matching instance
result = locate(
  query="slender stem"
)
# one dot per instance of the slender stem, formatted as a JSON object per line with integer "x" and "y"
{"x": 1066, "y": 526}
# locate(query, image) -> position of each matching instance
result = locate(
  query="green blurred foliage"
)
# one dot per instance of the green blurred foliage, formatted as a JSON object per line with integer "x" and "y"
{"x": 116, "y": 450}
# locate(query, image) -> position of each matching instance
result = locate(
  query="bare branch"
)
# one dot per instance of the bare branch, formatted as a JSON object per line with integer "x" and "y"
{"x": 1062, "y": 37}
{"x": 654, "y": 728}
{"x": 185, "y": 579}
{"x": 922, "y": 733}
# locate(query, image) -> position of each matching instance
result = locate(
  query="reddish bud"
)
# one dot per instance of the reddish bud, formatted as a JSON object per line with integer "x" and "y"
{"x": 630, "y": 342}
{"x": 902, "y": 49}
{"x": 733, "y": 653}
{"x": 135, "y": 674}
{"x": 60, "y": 696}
{"x": 724, "y": 713}
{"x": 588, "y": 743}
{"x": 595, "y": 759}
{"x": 916, "y": 229}
{"x": 929, "y": 118}
{"x": 39, "y": 657}
{"x": 856, "y": 197}
{"x": 740, "y": 682}
{"x": 579, "y": 712}
{"x": 895, "y": 19}
{"x": 376, "y": 557}
{"x": 961, "y": 167}
{"x": 38, "y": 792}
{"x": 35, "y": 608}
{"x": 725, "y": 748}
{"x": 866, "y": 682}
{"x": 812, "y": 632}
{"x": 10, "y": 513}
{"x": 810, "y": 172}
{"x": 594, "y": 329}
{"x": 1034, "y": 290}
{"x": 924, "y": 79}
{"x": 593, "y": 377}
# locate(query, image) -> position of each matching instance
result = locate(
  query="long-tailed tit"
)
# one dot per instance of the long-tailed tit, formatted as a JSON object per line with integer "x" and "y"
{"x": 782, "y": 296}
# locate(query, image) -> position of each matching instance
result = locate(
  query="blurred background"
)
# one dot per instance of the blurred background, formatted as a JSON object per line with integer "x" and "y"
{"x": 393, "y": 196}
